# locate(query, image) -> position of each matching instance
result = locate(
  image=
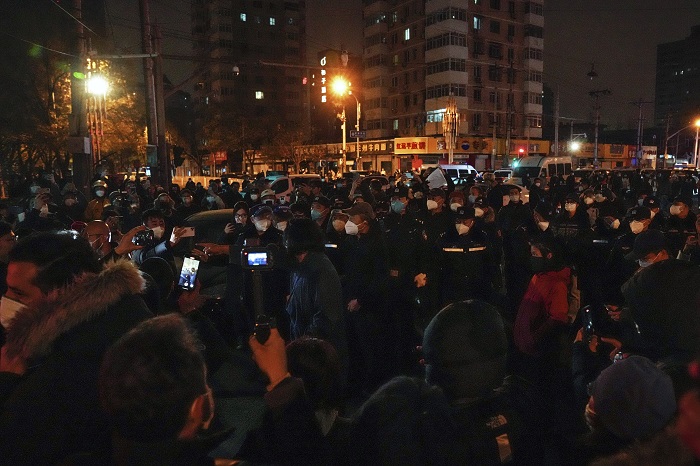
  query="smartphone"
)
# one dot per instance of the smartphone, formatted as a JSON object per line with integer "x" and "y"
{"x": 188, "y": 274}
{"x": 143, "y": 238}
{"x": 189, "y": 231}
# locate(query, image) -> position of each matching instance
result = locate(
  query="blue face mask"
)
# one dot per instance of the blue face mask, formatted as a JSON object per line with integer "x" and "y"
{"x": 315, "y": 214}
{"x": 397, "y": 206}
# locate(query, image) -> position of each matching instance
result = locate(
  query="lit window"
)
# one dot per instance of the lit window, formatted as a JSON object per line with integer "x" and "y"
{"x": 407, "y": 34}
{"x": 477, "y": 23}
{"x": 272, "y": 21}
{"x": 243, "y": 17}
{"x": 396, "y": 124}
{"x": 259, "y": 95}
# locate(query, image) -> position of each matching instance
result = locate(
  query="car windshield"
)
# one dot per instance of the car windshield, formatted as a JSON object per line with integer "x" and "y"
{"x": 530, "y": 172}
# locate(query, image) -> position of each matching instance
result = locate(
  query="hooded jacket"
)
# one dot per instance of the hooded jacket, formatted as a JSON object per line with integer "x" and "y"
{"x": 53, "y": 409}
{"x": 544, "y": 304}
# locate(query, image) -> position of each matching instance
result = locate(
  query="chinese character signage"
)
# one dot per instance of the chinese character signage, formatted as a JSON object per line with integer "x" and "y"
{"x": 411, "y": 145}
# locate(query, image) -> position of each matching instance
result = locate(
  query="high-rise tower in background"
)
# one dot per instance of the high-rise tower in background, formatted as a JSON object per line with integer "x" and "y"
{"x": 678, "y": 81}
{"x": 486, "y": 53}
{"x": 232, "y": 37}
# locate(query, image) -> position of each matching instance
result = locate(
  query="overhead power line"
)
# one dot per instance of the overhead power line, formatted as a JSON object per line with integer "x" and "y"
{"x": 38, "y": 45}
{"x": 76, "y": 19}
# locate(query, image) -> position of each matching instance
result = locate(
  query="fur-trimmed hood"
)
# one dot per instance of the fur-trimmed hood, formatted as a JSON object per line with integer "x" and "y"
{"x": 33, "y": 331}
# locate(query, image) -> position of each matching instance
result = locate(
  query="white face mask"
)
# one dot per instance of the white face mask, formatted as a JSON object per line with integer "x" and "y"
{"x": 351, "y": 228}
{"x": 478, "y": 212}
{"x": 570, "y": 207}
{"x": 454, "y": 206}
{"x": 543, "y": 225}
{"x": 640, "y": 201}
{"x": 338, "y": 225}
{"x": 472, "y": 199}
{"x": 514, "y": 197}
{"x": 8, "y": 309}
{"x": 642, "y": 263}
{"x": 675, "y": 210}
{"x": 262, "y": 225}
{"x": 636, "y": 227}
{"x": 588, "y": 200}
{"x": 158, "y": 232}
{"x": 462, "y": 229}
{"x": 97, "y": 244}
{"x": 254, "y": 197}
{"x": 431, "y": 204}
{"x": 99, "y": 192}
{"x": 281, "y": 226}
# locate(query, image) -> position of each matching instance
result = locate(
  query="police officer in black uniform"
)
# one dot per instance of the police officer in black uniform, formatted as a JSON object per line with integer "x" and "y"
{"x": 467, "y": 269}
{"x": 514, "y": 220}
{"x": 406, "y": 248}
{"x": 681, "y": 224}
{"x": 617, "y": 269}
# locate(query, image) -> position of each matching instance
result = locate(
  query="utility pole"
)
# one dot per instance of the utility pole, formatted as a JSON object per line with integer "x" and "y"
{"x": 556, "y": 125}
{"x": 640, "y": 127}
{"x": 596, "y": 94}
{"x": 165, "y": 174}
{"x": 82, "y": 158}
{"x": 147, "y": 48}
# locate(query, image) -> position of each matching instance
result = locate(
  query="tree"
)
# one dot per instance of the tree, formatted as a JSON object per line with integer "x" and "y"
{"x": 285, "y": 142}
{"x": 225, "y": 129}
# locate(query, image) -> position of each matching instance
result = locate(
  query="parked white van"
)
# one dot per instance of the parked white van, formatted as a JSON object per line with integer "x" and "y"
{"x": 536, "y": 166}
{"x": 459, "y": 172}
{"x": 285, "y": 185}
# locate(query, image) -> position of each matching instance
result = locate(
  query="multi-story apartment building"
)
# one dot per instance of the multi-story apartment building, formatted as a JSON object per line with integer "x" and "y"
{"x": 485, "y": 53}
{"x": 677, "y": 82}
{"x": 231, "y": 39}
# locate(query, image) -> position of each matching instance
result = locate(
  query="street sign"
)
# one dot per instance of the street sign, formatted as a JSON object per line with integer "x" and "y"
{"x": 358, "y": 134}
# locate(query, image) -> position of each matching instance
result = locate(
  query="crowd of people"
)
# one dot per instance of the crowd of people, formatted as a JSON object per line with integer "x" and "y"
{"x": 396, "y": 320}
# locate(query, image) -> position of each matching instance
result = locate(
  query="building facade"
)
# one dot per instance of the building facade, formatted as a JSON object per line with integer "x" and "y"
{"x": 249, "y": 53}
{"x": 486, "y": 54}
{"x": 677, "y": 102}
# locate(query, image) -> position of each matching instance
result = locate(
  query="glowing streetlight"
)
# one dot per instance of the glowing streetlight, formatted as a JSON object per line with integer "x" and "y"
{"x": 575, "y": 146}
{"x": 97, "y": 85}
{"x": 339, "y": 86}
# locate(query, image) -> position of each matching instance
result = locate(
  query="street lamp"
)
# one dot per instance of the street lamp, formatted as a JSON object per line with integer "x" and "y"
{"x": 596, "y": 94}
{"x": 97, "y": 85}
{"x": 341, "y": 88}
{"x": 695, "y": 152}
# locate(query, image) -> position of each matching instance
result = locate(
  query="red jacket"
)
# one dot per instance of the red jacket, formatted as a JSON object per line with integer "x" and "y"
{"x": 545, "y": 303}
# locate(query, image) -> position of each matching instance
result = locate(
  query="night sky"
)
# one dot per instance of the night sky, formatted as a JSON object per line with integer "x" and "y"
{"x": 620, "y": 36}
